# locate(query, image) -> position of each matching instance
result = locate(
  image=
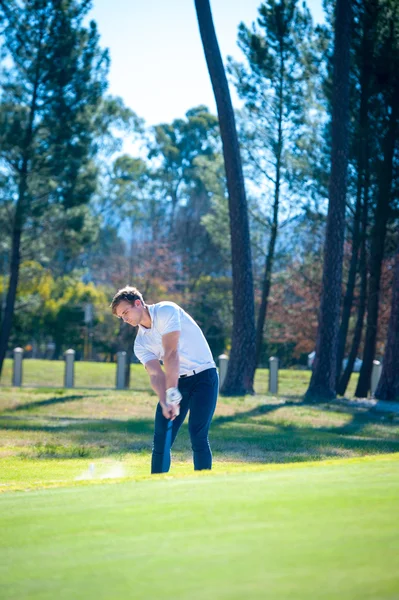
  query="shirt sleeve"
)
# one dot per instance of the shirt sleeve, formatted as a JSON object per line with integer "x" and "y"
{"x": 168, "y": 319}
{"x": 142, "y": 354}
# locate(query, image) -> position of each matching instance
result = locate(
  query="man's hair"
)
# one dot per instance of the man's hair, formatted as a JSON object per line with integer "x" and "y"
{"x": 126, "y": 294}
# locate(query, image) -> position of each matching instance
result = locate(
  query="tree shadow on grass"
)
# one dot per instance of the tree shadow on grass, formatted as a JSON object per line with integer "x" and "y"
{"x": 282, "y": 442}
{"x": 247, "y": 436}
{"x": 48, "y": 402}
{"x": 70, "y": 437}
{"x": 73, "y": 424}
{"x": 361, "y": 417}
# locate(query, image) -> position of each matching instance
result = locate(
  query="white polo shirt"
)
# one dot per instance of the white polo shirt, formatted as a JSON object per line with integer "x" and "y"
{"x": 194, "y": 352}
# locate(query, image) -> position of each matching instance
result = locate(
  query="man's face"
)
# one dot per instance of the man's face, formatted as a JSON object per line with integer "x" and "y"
{"x": 130, "y": 313}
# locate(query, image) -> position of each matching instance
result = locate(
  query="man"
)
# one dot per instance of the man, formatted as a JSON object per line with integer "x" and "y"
{"x": 188, "y": 380}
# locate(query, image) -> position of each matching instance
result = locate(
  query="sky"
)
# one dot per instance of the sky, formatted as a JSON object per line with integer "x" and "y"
{"x": 158, "y": 66}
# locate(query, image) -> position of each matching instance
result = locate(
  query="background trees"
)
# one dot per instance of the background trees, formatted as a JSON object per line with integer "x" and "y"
{"x": 385, "y": 116}
{"x": 277, "y": 85}
{"x": 91, "y": 198}
{"x": 55, "y": 81}
{"x": 388, "y": 387}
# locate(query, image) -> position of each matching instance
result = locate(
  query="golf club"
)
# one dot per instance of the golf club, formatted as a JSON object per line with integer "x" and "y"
{"x": 168, "y": 443}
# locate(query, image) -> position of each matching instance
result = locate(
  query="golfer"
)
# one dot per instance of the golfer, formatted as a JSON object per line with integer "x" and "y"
{"x": 188, "y": 380}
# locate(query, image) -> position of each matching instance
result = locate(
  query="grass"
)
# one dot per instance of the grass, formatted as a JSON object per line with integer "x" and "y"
{"x": 301, "y": 502}
{"x": 326, "y": 530}
{"x": 51, "y": 437}
{"x": 50, "y": 373}
{"x": 103, "y": 375}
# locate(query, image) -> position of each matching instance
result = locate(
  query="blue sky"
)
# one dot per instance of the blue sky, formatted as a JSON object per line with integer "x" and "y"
{"x": 157, "y": 62}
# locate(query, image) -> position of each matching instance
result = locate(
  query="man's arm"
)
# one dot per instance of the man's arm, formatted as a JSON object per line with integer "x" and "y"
{"x": 157, "y": 379}
{"x": 171, "y": 363}
{"x": 158, "y": 384}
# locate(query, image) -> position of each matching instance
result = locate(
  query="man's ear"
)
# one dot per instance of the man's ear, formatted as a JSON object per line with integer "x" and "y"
{"x": 137, "y": 302}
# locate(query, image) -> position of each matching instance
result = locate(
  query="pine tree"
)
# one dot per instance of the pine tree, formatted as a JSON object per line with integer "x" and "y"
{"x": 241, "y": 369}
{"x": 388, "y": 386}
{"x": 386, "y": 113}
{"x": 276, "y": 85}
{"x": 323, "y": 380}
{"x": 54, "y": 80}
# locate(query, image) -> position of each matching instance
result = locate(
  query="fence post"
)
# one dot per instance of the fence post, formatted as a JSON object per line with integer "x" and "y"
{"x": 69, "y": 368}
{"x": 17, "y": 367}
{"x": 375, "y": 376}
{"x": 121, "y": 370}
{"x": 223, "y": 364}
{"x": 273, "y": 375}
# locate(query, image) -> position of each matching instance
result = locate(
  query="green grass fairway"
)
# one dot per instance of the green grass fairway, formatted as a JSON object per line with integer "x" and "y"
{"x": 301, "y": 504}
{"x": 324, "y": 530}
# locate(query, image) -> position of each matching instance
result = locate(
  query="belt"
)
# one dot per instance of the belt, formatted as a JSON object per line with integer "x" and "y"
{"x": 196, "y": 371}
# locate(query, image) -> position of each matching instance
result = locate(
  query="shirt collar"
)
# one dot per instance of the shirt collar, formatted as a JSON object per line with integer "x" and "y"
{"x": 151, "y": 309}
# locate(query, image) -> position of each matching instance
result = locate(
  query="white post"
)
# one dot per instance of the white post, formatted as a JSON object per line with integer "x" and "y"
{"x": 273, "y": 375}
{"x": 223, "y": 363}
{"x": 17, "y": 367}
{"x": 121, "y": 370}
{"x": 69, "y": 368}
{"x": 375, "y": 376}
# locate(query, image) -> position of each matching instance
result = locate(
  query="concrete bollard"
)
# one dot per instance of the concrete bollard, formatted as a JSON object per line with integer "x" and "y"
{"x": 273, "y": 375}
{"x": 375, "y": 376}
{"x": 223, "y": 364}
{"x": 17, "y": 367}
{"x": 69, "y": 368}
{"x": 121, "y": 370}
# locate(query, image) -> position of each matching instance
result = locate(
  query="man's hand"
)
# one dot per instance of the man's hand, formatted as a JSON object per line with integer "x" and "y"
{"x": 173, "y": 396}
{"x": 170, "y": 398}
{"x": 170, "y": 411}
{"x": 171, "y": 408}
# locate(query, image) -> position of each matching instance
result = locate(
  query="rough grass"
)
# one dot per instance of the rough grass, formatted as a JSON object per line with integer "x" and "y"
{"x": 51, "y": 437}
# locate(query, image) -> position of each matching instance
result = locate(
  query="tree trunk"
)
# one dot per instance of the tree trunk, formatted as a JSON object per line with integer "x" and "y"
{"x": 241, "y": 369}
{"x": 377, "y": 252}
{"x": 11, "y": 295}
{"x": 357, "y": 335}
{"x": 273, "y": 234}
{"x": 323, "y": 380}
{"x": 266, "y": 288}
{"x": 388, "y": 386}
{"x": 57, "y": 349}
{"x": 20, "y": 213}
{"x": 362, "y": 141}
{"x": 350, "y": 287}
{"x": 127, "y": 335}
{"x": 14, "y": 265}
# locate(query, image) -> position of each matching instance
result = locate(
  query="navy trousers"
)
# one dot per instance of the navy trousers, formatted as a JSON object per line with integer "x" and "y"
{"x": 200, "y": 394}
